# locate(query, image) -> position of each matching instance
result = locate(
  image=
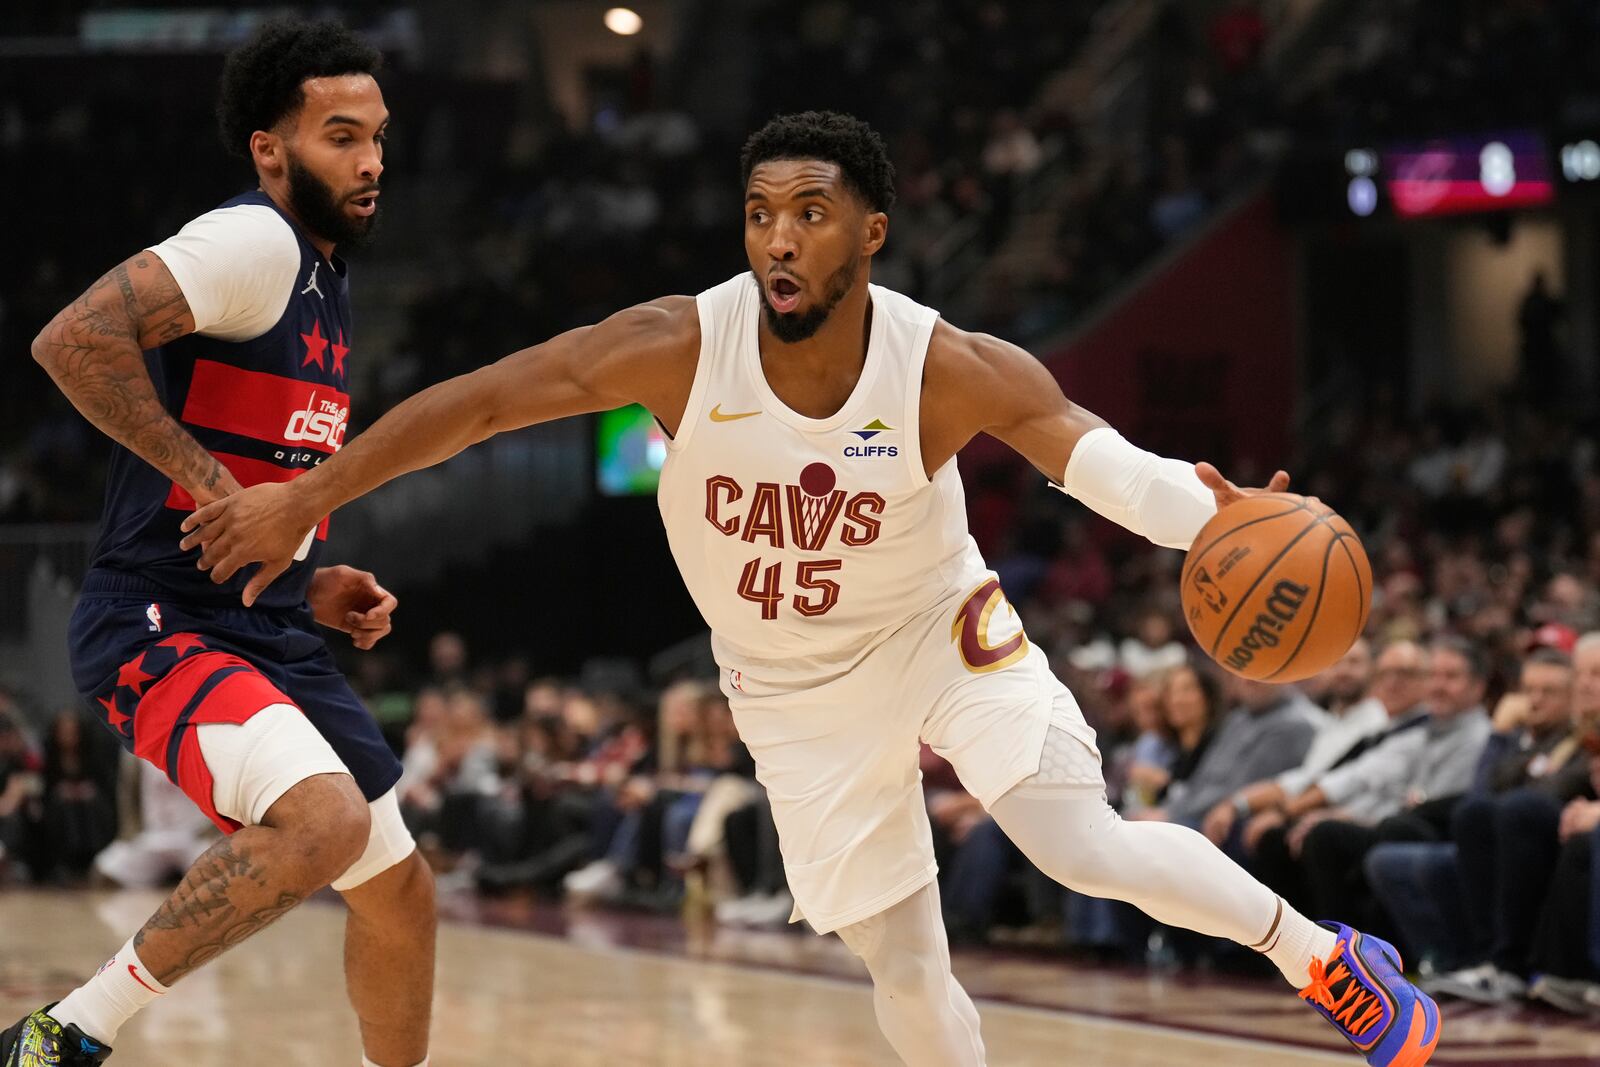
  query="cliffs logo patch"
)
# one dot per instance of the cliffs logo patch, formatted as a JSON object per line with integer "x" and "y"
{"x": 867, "y": 451}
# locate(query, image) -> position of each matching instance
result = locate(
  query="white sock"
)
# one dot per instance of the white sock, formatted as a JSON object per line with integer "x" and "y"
{"x": 368, "y": 1063}
{"x": 121, "y": 988}
{"x": 1293, "y": 943}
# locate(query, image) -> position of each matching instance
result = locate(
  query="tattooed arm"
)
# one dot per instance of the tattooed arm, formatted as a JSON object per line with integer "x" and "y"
{"x": 94, "y": 349}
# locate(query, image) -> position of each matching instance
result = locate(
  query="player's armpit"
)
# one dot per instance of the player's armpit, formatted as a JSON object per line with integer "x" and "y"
{"x": 94, "y": 350}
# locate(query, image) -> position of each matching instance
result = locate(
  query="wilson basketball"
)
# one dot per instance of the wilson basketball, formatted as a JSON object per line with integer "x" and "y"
{"x": 1276, "y": 587}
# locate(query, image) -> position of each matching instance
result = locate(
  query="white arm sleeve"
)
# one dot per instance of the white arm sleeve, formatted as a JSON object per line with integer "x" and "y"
{"x": 237, "y": 267}
{"x": 1159, "y": 499}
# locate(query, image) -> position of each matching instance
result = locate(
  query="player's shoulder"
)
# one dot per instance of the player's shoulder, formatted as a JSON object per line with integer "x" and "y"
{"x": 966, "y": 358}
{"x": 667, "y": 328}
{"x": 245, "y": 224}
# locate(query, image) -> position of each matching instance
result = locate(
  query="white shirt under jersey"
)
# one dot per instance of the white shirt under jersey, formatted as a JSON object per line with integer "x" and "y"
{"x": 805, "y": 542}
{"x": 237, "y": 267}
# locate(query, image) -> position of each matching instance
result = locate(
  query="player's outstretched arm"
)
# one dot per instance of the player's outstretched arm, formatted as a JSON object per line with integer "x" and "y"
{"x": 987, "y": 385}
{"x": 645, "y": 354}
{"x": 94, "y": 350}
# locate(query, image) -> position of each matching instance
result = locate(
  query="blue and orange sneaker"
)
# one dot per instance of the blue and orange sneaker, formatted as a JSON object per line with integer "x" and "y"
{"x": 40, "y": 1041}
{"x": 1362, "y": 992}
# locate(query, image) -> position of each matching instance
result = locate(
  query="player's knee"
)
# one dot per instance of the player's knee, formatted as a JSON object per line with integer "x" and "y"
{"x": 906, "y": 974}
{"x": 328, "y": 817}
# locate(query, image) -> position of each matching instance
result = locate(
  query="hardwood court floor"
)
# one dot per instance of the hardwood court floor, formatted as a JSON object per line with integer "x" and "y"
{"x": 514, "y": 998}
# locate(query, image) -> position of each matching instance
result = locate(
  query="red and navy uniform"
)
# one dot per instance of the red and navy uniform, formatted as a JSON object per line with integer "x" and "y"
{"x": 156, "y": 646}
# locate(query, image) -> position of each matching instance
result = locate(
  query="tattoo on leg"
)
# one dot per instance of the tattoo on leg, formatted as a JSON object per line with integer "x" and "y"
{"x": 202, "y": 902}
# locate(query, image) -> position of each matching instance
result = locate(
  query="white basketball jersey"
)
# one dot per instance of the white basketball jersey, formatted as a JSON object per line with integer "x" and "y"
{"x": 806, "y": 542}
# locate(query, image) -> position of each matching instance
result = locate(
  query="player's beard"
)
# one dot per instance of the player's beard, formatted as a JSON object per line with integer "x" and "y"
{"x": 796, "y": 326}
{"x": 322, "y": 212}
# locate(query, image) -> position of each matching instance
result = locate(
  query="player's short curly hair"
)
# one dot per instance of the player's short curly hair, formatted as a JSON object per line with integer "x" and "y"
{"x": 261, "y": 82}
{"x": 845, "y": 140}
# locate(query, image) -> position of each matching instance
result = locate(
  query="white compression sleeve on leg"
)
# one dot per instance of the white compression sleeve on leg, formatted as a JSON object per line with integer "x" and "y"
{"x": 1159, "y": 499}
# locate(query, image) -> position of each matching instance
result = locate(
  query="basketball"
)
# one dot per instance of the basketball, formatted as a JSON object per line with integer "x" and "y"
{"x": 1276, "y": 587}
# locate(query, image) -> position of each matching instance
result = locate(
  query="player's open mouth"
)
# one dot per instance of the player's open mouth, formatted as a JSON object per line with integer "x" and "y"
{"x": 784, "y": 294}
{"x": 365, "y": 204}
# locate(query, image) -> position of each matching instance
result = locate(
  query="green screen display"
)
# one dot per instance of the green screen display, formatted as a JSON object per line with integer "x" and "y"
{"x": 629, "y": 451}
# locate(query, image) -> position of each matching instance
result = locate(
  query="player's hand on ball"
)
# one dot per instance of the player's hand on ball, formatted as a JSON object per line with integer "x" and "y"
{"x": 1227, "y": 492}
{"x": 260, "y": 524}
{"x": 344, "y": 598}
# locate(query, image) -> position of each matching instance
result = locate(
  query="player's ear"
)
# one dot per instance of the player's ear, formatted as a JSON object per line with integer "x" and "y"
{"x": 874, "y": 232}
{"x": 266, "y": 150}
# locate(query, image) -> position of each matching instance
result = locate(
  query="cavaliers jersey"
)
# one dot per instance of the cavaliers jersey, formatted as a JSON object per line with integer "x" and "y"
{"x": 269, "y": 407}
{"x": 806, "y": 542}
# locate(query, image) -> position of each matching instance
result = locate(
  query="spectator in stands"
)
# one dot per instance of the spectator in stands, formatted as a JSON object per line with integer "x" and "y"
{"x": 1189, "y": 707}
{"x": 1269, "y": 732}
{"x": 77, "y": 809}
{"x": 1152, "y": 647}
{"x": 1355, "y": 713}
{"x": 1508, "y": 833}
{"x": 19, "y": 770}
{"x": 1401, "y": 790}
{"x": 1565, "y": 954}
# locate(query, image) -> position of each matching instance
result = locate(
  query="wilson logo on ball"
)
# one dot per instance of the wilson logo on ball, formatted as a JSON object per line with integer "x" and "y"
{"x": 1282, "y": 607}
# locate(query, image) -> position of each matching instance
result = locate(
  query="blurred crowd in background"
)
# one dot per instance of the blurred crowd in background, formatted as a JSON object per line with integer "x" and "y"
{"x": 1439, "y": 784}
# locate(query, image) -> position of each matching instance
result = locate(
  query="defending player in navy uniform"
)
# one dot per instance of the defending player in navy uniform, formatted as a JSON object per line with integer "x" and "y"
{"x": 217, "y": 359}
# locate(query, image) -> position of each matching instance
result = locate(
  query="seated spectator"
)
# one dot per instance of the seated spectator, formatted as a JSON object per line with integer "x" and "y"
{"x": 1565, "y": 952}
{"x": 19, "y": 779}
{"x": 1355, "y": 713}
{"x": 1507, "y": 833}
{"x": 1269, "y": 732}
{"x": 1401, "y": 790}
{"x": 1152, "y": 648}
{"x": 1189, "y": 713}
{"x": 75, "y": 816}
{"x": 1138, "y": 771}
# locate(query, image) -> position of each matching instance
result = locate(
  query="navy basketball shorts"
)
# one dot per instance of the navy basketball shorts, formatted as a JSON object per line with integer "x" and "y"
{"x": 154, "y": 669}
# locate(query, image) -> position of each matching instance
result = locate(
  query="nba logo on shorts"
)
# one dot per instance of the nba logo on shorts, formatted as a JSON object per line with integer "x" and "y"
{"x": 736, "y": 679}
{"x": 153, "y": 613}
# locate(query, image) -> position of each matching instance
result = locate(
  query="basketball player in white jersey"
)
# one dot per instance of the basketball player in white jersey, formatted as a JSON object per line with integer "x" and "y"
{"x": 812, "y": 502}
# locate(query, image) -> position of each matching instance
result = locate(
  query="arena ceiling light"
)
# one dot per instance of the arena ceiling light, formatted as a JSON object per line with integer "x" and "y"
{"x": 623, "y": 21}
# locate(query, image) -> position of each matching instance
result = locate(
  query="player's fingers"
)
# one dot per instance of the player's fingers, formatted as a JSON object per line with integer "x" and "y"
{"x": 264, "y": 577}
{"x": 200, "y": 537}
{"x": 384, "y": 607}
{"x": 201, "y": 516}
{"x": 224, "y": 568}
{"x": 215, "y": 552}
{"x": 1210, "y": 477}
{"x": 1280, "y": 482}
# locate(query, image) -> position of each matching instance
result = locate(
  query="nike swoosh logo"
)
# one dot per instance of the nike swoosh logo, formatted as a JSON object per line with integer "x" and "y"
{"x": 141, "y": 981}
{"x": 718, "y": 416}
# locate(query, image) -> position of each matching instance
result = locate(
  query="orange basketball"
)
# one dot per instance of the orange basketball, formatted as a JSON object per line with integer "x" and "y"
{"x": 1276, "y": 587}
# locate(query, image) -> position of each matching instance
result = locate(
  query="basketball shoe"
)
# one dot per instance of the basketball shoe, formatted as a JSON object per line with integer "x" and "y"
{"x": 1360, "y": 990}
{"x": 40, "y": 1041}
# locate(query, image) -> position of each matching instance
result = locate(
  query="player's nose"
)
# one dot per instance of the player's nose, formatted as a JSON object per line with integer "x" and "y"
{"x": 371, "y": 165}
{"x": 782, "y": 246}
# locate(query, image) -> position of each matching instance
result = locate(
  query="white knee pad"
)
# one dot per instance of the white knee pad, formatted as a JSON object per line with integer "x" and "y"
{"x": 389, "y": 843}
{"x": 254, "y": 763}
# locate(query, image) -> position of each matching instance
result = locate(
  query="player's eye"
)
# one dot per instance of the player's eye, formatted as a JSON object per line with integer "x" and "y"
{"x": 758, "y": 217}
{"x": 813, "y": 215}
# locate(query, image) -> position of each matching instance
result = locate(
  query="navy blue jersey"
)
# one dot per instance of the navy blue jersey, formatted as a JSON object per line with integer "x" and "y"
{"x": 269, "y": 409}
